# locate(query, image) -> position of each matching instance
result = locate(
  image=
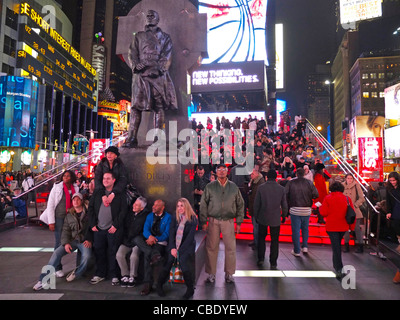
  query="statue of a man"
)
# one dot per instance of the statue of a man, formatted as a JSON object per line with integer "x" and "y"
{"x": 152, "y": 88}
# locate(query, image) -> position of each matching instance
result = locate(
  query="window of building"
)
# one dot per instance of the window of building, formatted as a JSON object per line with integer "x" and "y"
{"x": 7, "y": 69}
{"x": 11, "y": 19}
{"x": 9, "y": 46}
{"x": 381, "y": 94}
{"x": 374, "y": 94}
{"x": 381, "y": 75}
{"x": 365, "y": 94}
{"x": 365, "y": 75}
{"x": 373, "y": 75}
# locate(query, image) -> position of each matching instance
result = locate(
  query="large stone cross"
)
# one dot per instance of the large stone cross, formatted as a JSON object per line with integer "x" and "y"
{"x": 188, "y": 31}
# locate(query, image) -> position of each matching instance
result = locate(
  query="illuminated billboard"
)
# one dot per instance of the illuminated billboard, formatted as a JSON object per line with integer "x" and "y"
{"x": 370, "y": 158}
{"x": 236, "y": 30}
{"x": 392, "y": 104}
{"x": 357, "y": 10}
{"x": 392, "y": 142}
{"x": 222, "y": 77}
{"x": 18, "y": 107}
{"x": 364, "y": 127}
{"x": 279, "y": 66}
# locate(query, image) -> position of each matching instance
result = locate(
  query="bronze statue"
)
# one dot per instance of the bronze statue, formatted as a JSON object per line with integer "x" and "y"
{"x": 152, "y": 88}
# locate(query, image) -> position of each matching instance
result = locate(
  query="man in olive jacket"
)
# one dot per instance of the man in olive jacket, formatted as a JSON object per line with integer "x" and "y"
{"x": 221, "y": 203}
{"x": 269, "y": 204}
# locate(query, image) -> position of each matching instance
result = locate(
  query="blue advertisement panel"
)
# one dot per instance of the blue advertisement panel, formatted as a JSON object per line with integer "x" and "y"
{"x": 18, "y": 107}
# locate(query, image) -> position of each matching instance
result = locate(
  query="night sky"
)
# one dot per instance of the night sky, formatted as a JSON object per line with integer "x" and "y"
{"x": 309, "y": 39}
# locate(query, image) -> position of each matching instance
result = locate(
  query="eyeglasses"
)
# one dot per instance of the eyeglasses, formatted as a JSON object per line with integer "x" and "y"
{"x": 221, "y": 169}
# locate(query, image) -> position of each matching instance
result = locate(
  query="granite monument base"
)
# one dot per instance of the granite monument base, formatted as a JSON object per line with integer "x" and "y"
{"x": 167, "y": 182}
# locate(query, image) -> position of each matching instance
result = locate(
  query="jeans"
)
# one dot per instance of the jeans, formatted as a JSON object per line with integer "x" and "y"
{"x": 299, "y": 223}
{"x": 336, "y": 240}
{"x": 105, "y": 252}
{"x": 60, "y": 252}
{"x": 59, "y": 223}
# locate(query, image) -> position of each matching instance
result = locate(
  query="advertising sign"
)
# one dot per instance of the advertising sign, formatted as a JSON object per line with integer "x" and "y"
{"x": 392, "y": 103}
{"x": 365, "y": 126}
{"x": 237, "y": 76}
{"x": 18, "y": 107}
{"x": 370, "y": 158}
{"x": 96, "y": 153}
{"x": 99, "y": 63}
{"x": 392, "y": 142}
{"x": 356, "y": 10}
{"x": 236, "y": 30}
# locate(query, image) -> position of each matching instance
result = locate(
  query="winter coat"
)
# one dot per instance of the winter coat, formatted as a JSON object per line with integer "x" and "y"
{"x": 48, "y": 216}
{"x": 75, "y": 228}
{"x": 119, "y": 170}
{"x": 334, "y": 208}
{"x": 354, "y": 192}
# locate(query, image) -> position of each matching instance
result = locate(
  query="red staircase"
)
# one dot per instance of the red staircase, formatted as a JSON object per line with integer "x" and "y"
{"x": 317, "y": 233}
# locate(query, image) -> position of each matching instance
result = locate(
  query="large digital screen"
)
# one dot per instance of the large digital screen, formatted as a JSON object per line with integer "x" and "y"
{"x": 392, "y": 102}
{"x": 236, "y": 30}
{"x": 392, "y": 142}
{"x": 222, "y": 77}
{"x": 18, "y": 108}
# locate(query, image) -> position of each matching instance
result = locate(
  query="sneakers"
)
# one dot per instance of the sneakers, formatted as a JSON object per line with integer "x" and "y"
{"x": 229, "y": 278}
{"x": 71, "y": 276}
{"x": 131, "y": 282}
{"x": 96, "y": 280}
{"x": 60, "y": 274}
{"x": 295, "y": 254}
{"x": 127, "y": 281}
{"x": 304, "y": 250}
{"x": 38, "y": 286}
{"x": 211, "y": 278}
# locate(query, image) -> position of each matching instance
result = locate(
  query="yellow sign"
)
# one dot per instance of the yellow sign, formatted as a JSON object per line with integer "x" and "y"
{"x": 45, "y": 26}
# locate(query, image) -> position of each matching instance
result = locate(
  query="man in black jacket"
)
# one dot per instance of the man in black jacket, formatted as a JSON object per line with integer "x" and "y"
{"x": 269, "y": 204}
{"x": 300, "y": 193}
{"x": 133, "y": 226}
{"x": 111, "y": 163}
{"x": 106, "y": 222}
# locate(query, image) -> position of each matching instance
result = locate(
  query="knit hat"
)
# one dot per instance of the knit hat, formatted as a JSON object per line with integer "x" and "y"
{"x": 112, "y": 149}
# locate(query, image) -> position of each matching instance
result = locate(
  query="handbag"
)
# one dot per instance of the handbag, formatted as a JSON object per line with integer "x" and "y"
{"x": 350, "y": 213}
{"x": 176, "y": 274}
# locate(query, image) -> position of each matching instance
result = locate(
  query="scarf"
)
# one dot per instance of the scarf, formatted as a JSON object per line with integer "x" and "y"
{"x": 179, "y": 232}
{"x": 68, "y": 197}
{"x": 155, "y": 228}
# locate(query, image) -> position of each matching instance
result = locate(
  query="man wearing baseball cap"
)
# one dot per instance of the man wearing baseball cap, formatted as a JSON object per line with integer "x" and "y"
{"x": 220, "y": 204}
{"x": 75, "y": 235}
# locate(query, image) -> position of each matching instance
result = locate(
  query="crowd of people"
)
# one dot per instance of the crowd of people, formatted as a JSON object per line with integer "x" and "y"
{"x": 287, "y": 181}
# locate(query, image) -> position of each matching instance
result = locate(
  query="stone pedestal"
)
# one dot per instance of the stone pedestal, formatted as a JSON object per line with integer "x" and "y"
{"x": 167, "y": 182}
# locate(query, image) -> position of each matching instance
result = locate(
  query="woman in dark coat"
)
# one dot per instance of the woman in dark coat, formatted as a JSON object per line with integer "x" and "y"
{"x": 181, "y": 245}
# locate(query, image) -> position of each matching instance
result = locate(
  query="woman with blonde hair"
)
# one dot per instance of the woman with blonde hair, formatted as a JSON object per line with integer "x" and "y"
{"x": 181, "y": 246}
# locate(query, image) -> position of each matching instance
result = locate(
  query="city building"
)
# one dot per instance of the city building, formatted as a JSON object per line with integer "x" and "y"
{"x": 318, "y": 98}
{"x": 36, "y": 52}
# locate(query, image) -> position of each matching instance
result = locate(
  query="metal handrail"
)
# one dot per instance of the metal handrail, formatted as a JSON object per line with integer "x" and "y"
{"x": 344, "y": 165}
{"x": 67, "y": 167}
